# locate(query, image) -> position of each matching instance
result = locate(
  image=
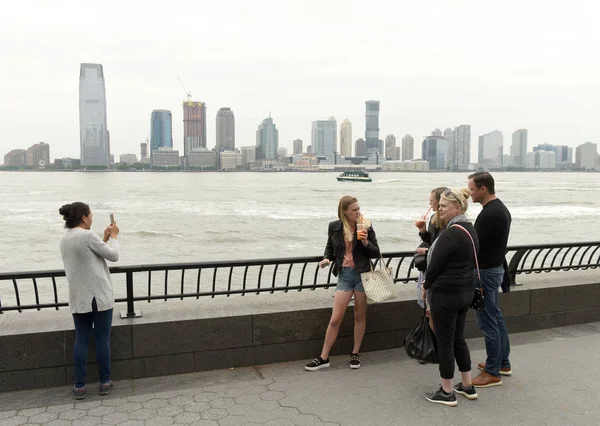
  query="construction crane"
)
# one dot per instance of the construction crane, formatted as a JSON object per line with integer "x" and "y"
{"x": 188, "y": 94}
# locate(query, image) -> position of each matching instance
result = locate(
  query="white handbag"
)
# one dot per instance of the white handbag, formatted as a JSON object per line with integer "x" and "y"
{"x": 379, "y": 284}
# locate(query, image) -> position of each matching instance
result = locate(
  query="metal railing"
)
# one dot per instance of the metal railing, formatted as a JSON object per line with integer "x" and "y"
{"x": 48, "y": 289}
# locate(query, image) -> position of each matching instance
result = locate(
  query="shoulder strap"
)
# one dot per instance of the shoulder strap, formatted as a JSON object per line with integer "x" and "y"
{"x": 474, "y": 250}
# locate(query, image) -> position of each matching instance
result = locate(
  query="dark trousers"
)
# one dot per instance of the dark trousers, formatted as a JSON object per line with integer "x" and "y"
{"x": 449, "y": 312}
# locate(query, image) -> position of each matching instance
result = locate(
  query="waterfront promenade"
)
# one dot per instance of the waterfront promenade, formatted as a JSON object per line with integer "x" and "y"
{"x": 555, "y": 382}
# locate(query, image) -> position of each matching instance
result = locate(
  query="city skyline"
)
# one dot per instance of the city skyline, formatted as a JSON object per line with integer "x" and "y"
{"x": 499, "y": 79}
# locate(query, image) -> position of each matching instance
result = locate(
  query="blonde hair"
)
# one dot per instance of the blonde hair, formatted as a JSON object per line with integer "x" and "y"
{"x": 460, "y": 196}
{"x": 436, "y": 219}
{"x": 345, "y": 202}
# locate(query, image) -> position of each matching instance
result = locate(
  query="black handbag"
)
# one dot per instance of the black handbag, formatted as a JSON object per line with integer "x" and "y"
{"x": 478, "y": 302}
{"x": 420, "y": 343}
{"x": 420, "y": 260}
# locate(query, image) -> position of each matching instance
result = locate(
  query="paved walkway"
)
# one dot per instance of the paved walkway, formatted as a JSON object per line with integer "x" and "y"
{"x": 556, "y": 382}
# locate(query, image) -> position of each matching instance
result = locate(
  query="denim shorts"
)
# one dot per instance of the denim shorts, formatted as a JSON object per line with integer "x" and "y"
{"x": 349, "y": 280}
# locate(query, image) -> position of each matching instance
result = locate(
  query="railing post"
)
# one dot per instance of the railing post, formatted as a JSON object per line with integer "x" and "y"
{"x": 131, "y": 312}
{"x": 513, "y": 265}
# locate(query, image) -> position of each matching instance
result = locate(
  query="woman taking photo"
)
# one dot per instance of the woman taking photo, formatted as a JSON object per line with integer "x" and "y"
{"x": 351, "y": 244}
{"x": 91, "y": 296}
{"x": 449, "y": 280}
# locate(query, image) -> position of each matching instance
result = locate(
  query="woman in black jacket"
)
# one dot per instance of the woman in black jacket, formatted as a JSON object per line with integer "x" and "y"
{"x": 449, "y": 279}
{"x": 351, "y": 243}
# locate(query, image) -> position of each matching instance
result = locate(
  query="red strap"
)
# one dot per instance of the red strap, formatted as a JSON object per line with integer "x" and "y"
{"x": 474, "y": 250}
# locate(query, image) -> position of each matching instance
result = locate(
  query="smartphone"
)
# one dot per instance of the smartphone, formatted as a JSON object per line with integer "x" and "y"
{"x": 112, "y": 219}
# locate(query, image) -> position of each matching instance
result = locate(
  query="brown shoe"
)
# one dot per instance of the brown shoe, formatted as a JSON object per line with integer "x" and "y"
{"x": 503, "y": 371}
{"x": 486, "y": 380}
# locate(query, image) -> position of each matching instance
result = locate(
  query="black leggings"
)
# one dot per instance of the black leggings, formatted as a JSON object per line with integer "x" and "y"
{"x": 449, "y": 311}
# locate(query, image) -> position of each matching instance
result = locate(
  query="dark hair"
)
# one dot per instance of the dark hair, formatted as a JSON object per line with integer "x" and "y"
{"x": 73, "y": 213}
{"x": 483, "y": 179}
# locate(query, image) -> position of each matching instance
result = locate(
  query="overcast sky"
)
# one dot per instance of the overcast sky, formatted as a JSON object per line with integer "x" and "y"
{"x": 492, "y": 64}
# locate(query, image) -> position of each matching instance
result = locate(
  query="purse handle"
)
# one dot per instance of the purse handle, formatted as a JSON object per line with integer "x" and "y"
{"x": 474, "y": 250}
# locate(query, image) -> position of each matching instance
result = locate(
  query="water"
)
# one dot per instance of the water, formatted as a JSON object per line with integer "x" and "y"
{"x": 189, "y": 217}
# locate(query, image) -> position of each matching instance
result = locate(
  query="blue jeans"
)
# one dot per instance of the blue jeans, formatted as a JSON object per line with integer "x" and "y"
{"x": 101, "y": 322}
{"x": 349, "y": 280}
{"x": 491, "y": 321}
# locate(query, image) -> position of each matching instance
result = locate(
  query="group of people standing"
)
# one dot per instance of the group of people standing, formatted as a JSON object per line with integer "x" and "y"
{"x": 460, "y": 256}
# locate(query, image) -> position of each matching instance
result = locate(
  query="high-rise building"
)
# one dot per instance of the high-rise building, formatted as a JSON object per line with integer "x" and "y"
{"x": 346, "y": 139}
{"x": 194, "y": 126}
{"x": 435, "y": 152}
{"x": 248, "y": 156}
{"x": 518, "y": 149}
{"x": 225, "y": 130}
{"x": 309, "y": 149}
{"x": 586, "y": 156}
{"x": 144, "y": 152}
{"x": 397, "y": 153}
{"x": 324, "y": 137}
{"x": 165, "y": 157}
{"x": 360, "y": 148}
{"x": 93, "y": 133}
{"x": 491, "y": 149}
{"x": 298, "y": 146}
{"x": 437, "y": 132}
{"x": 408, "y": 148}
{"x": 38, "y": 155}
{"x": 459, "y": 148}
{"x": 390, "y": 147}
{"x": 267, "y": 140}
{"x": 161, "y": 130}
{"x": 127, "y": 158}
{"x": 15, "y": 158}
{"x": 372, "y": 127}
{"x": 546, "y": 159}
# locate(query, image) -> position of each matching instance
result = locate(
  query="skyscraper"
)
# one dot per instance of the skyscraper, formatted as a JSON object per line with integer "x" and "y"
{"x": 518, "y": 149}
{"x": 459, "y": 148}
{"x": 298, "y": 146}
{"x": 408, "y": 148}
{"x": 225, "y": 130}
{"x": 346, "y": 139}
{"x": 586, "y": 156}
{"x": 324, "y": 137}
{"x": 161, "y": 130}
{"x": 38, "y": 155}
{"x": 390, "y": 147}
{"x": 194, "y": 126}
{"x": 491, "y": 149}
{"x": 267, "y": 140}
{"x": 372, "y": 127}
{"x": 93, "y": 137}
{"x": 435, "y": 152}
{"x": 360, "y": 148}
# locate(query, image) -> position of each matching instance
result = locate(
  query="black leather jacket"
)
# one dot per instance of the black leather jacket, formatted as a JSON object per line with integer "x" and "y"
{"x": 335, "y": 248}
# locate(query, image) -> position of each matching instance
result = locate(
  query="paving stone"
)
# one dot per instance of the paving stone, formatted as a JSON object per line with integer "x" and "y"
{"x": 222, "y": 403}
{"x": 66, "y": 407}
{"x": 114, "y": 402}
{"x": 187, "y": 418}
{"x": 272, "y": 395}
{"x": 170, "y": 410}
{"x": 28, "y": 412}
{"x": 128, "y": 408}
{"x": 115, "y": 418}
{"x": 196, "y": 407}
{"x": 87, "y": 405}
{"x": 43, "y": 418}
{"x": 214, "y": 414}
{"x": 6, "y": 414}
{"x": 205, "y": 396}
{"x": 133, "y": 423}
{"x": 87, "y": 421}
{"x": 280, "y": 422}
{"x": 71, "y": 414}
{"x": 59, "y": 423}
{"x": 166, "y": 395}
{"x": 305, "y": 420}
{"x": 233, "y": 421}
{"x": 181, "y": 400}
{"x": 14, "y": 421}
{"x": 259, "y": 416}
{"x": 266, "y": 405}
{"x": 141, "y": 398}
{"x": 159, "y": 421}
{"x": 231, "y": 393}
{"x": 101, "y": 411}
{"x": 247, "y": 399}
{"x": 143, "y": 414}
{"x": 155, "y": 403}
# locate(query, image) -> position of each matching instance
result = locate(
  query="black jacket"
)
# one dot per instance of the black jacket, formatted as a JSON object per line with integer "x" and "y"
{"x": 335, "y": 248}
{"x": 452, "y": 261}
{"x": 430, "y": 235}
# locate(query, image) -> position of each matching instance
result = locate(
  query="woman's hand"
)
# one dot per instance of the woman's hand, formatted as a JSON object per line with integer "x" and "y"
{"x": 362, "y": 236}
{"x": 420, "y": 224}
{"x": 324, "y": 263}
{"x": 421, "y": 250}
{"x": 113, "y": 230}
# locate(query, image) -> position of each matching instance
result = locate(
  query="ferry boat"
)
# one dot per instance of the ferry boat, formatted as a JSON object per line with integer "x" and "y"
{"x": 354, "y": 176}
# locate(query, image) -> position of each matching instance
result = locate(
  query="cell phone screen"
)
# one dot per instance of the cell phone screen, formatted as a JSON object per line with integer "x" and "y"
{"x": 112, "y": 219}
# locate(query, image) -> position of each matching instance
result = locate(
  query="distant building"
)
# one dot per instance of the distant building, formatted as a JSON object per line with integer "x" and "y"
{"x": 231, "y": 160}
{"x": 360, "y": 148}
{"x": 194, "y": 126}
{"x": 248, "y": 156}
{"x": 281, "y": 152}
{"x": 225, "y": 130}
{"x": 390, "y": 147}
{"x": 372, "y": 141}
{"x": 546, "y": 160}
{"x": 161, "y": 130}
{"x": 324, "y": 136}
{"x": 67, "y": 163}
{"x": 406, "y": 166}
{"x": 586, "y": 156}
{"x": 267, "y": 140}
{"x": 435, "y": 152}
{"x": 398, "y": 153}
{"x": 408, "y": 147}
{"x": 346, "y": 139}
{"x": 309, "y": 149}
{"x": 165, "y": 157}
{"x": 202, "y": 158}
{"x": 38, "y": 155}
{"x": 459, "y": 147}
{"x": 16, "y": 158}
{"x": 93, "y": 131}
{"x": 298, "y": 146}
{"x": 437, "y": 132}
{"x": 491, "y": 150}
{"x": 128, "y": 159}
{"x": 518, "y": 149}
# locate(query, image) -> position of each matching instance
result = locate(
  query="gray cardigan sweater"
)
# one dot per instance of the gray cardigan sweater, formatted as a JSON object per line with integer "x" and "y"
{"x": 84, "y": 253}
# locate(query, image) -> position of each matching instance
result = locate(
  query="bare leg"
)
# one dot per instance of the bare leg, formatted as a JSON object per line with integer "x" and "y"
{"x": 340, "y": 303}
{"x": 447, "y": 385}
{"x": 466, "y": 378}
{"x": 360, "y": 319}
